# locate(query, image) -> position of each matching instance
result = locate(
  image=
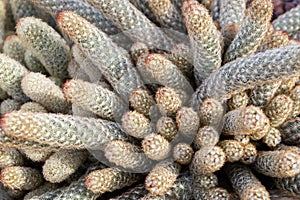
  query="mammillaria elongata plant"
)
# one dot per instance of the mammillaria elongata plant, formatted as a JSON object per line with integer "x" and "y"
{"x": 149, "y": 99}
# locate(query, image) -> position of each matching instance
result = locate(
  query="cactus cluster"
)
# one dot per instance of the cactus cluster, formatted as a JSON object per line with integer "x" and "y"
{"x": 149, "y": 99}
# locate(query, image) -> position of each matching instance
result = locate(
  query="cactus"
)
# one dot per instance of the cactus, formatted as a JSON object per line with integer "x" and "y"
{"x": 167, "y": 128}
{"x": 183, "y": 153}
{"x": 273, "y": 138}
{"x": 59, "y": 130}
{"x": 233, "y": 150}
{"x": 206, "y": 136}
{"x": 141, "y": 101}
{"x": 46, "y": 187}
{"x": 294, "y": 94}
{"x": 277, "y": 164}
{"x": 261, "y": 95}
{"x": 250, "y": 154}
{"x": 137, "y": 49}
{"x": 246, "y": 185}
{"x": 44, "y": 91}
{"x": 13, "y": 48}
{"x": 21, "y": 178}
{"x": 238, "y": 100}
{"x": 252, "y": 31}
{"x": 2, "y": 22}
{"x": 289, "y": 185}
{"x": 10, "y": 157}
{"x": 290, "y": 131}
{"x": 37, "y": 155}
{"x": 32, "y": 107}
{"x": 204, "y": 37}
{"x": 136, "y": 124}
{"x": 33, "y": 63}
{"x": 94, "y": 98}
{"x": 78, "y": 111}
{"x": 9, "y": 105}
{"x": 168, "y": 101}
{"x": 62, "y": 164}
{"x": 245, "y": 73}
{"x": 46, "y": 44}
{"x": 211, "y": 113}
{"x": 276, "y": 40}
{"x": 212, "y": 193}
{"x": 11, "y": 74}
{"x": 187, "y": 121}
{"x": 111, "y": 60}
{"x": 156, "y": 147}
{"x": 136, "y": 192}
{"x": 108, "y": 180}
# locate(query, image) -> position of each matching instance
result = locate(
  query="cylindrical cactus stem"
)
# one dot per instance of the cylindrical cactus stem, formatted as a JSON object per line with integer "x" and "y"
{"x": 156, "y": 147}
{"x": 211, "y": 113}
{"x": 10, "y": 157}
{"x": 294, "y": 149}
{"x": 244, "y": 139}
{"x": 187, "y": 121}
{"x": 21, "y": 178}
{"x": 232, "y": 12}
{"x": 276, "y": 40}
{"x": 3, "y": 94}
{"x": 133, "y": 23}
{"x": 167, "y": 14}
{"x": 37, "y": 155}
{"x": 113, "y": 62}
{"x": 167, "y": 128}
{"x": 162, "y": 177}
{"x": 136, "y": 124}
{"x": 183, "y": 153}
{"x": 211, "y": 193}
{"x": 9, "y": 105}
{"x": 11, "y": 74}
{"x": 33, "y": 63}
{"x": 60, "y": 130}
{"x": 238, "y": 100}
{"x": 136, "y": 192}
{"x": 289, "y": 185}
{"x": 94, "y": 98}
{"x": 168, "y": 100}
{"x": 261, "y": 95}
{"x": 62, "y": 164}
{"x": 137, "y": 49}
{"x": 79, "y": 111}
{"x": 46, "y": 187}
{"x": 289, "y": 21}
{"x": 33, "y": 107}
{"x": 82, "y": 8}
{"x": 206, "y": 136}
{"x": 290, "y": 131}
{"x": 245, "y": 184}
{"x": 207, "y": 160}
{"x": 141, "y": 101}
{"x": 205, "y": 181}
{"x": 13, "y": 48}
{"x": 294, "y": 94}
{"x": 143, "y": 6}
{"x": 247, "y": 72}
{"x": 14, "y": 193}
{"x": 108, "y": 180}
{"x": 233, "y": 150}
{"x": 46, "y": 44}
{"x": 252, "y": 31}
{"x": 44, "y": 91}
{"x": 279, "y": 109}
{"x": 156, "y": 68}
{"x": 250, "y": 154}
{"x": 272, "y": 138}
{"x": 2, "y": 22}
{"x": 205, "y": 39}
{"x": 277, "y": 164}
{"x": 128, "y": 156}
{"x": 287, "y": 84}
{"x": 245, "y": 121}
{"x": 76, "y": 72}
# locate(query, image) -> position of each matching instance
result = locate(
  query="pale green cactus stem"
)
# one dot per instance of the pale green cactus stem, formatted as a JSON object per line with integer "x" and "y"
{"x": 275, "y": 40}
{"x": 33, "y": 107}
{"x": 33, "y": 64}
{"x": 108, "y": 180}
{"x": 278, "y": 110}
{"x": 290, "y": 131}
{"x": 289, "y": 21}
{"x": 10, "y": 157}
{"x": 143, "y": 6}
{"x": 59, "y": 130}
{"x": 168, "y": 101}
{"x": 113, "y": 62}
{"x": 295, "y": 96}
{"x": 167, "y": 128}
{"x": 141, "y": 101}
{"x": 14, "y": 48}
{"x": 82, "y": 8}
{"x": 233, "y": 150}
{"x": 37, "y": 155}
{"x": 277, "y": 164}
{"x": 205, "y": 39}
{"x": 238, "y": 100}
{"x": 156, "y": 147}
{"x": 44, "y": 91}
{"x": 167, "y": 14}
{"x": 94, "y": 98}
{"x": 127, "y": 155}
{"x": 46, "y": 187}
{"x": 162, "y": 177}
{"x": 187, "y": 121}
{"x": 76, "y": 72}
{"x": 156, "y": 68}
{"x": 136, "y": 124}
{"x": 79, "y": 111}
{"x": 248, "y": 72}
{"x": 2, "y": 22}
{"x": 252, "y": 31}
{"x": 207, "y": 160}
{"x": 21, "y": 178}
{"x": 287, "y": 84}
{"x": 11, "y": 74}
{"x": 59, "y": 166}
{"x": 206, "y": 136}
{"x": 245, "y": 184}
{"x": 9, "y": 105}
{"x": 46, "y": 44}
{"x": 211, "y": 113}
{"x": 133, "y": 23}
